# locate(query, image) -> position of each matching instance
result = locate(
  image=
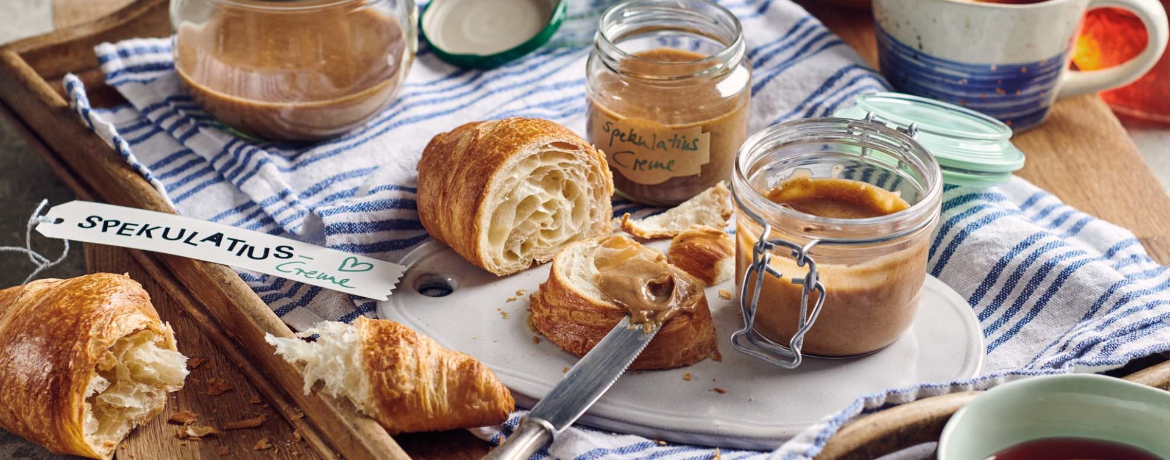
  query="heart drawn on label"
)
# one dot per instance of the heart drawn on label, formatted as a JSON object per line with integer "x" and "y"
{"x": 351, "y": 264}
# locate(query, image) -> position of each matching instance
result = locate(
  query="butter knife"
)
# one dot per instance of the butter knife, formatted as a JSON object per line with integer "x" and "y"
{"x": 581, "y": 387}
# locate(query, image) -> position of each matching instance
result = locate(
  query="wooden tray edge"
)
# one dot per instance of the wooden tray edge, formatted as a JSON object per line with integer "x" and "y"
{"x": 227, "y": 298}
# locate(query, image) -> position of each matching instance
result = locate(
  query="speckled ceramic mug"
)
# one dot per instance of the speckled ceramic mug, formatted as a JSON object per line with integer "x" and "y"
{"x": 1007, "y": 61}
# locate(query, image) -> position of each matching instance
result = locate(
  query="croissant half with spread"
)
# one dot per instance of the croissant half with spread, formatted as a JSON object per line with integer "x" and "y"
{"x": 595, "y": 283}
{"x": 403, "y": 379}
{"x": 83, "y": 361}
{"x": 507, "y": 193}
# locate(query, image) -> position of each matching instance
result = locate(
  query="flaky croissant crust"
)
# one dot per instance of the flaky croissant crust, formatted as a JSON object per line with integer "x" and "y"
{"x": 461, "y": 171}
{"x": 54, "y": 334}
{"x": 417, "y": 385}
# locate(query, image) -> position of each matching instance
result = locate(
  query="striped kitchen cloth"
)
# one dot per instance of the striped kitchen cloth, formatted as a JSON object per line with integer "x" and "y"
{"x": 1053, "y": 288}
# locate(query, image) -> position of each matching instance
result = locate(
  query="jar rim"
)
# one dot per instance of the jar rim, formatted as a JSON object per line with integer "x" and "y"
{"x": 922, "y": 211}
{"x": 723, "y": 60}
{"x": 285, "y": 5}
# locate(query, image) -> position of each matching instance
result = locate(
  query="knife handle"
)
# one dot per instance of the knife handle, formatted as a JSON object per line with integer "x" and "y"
{"x": 529, "y": 437}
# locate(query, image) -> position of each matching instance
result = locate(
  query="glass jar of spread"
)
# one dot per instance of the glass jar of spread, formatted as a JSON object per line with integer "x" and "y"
{"x": 668, "y": 87}
{"x": 833, "y": 226}
{"x": 293, "y": 70}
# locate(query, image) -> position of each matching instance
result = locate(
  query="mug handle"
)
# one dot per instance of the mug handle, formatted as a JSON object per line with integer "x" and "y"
{"x": 1153, "y": 16}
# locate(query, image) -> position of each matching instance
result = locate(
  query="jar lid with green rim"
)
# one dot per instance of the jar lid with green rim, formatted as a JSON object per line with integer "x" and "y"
{"x": 489, "y": 33}
{"x": 972, "y": 149}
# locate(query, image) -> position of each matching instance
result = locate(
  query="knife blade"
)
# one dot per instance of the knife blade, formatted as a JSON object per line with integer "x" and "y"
{"x": 582, "y": 386}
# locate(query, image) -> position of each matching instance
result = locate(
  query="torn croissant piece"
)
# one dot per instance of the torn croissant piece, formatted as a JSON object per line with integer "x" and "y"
{"x": 507, "y": 193}
{"x": 711, "y": 208}
{"x": 706, "y": 253}
{"x": 575, "y": 308}
{"x": 403, "y": 379}
{"x": 84, "y": 361}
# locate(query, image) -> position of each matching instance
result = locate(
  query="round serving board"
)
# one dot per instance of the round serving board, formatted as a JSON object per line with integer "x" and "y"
{"x": 739, "y": 402}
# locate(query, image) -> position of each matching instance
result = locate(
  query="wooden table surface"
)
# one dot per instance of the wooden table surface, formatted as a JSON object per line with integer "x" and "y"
{"x": 1081, "y": 154}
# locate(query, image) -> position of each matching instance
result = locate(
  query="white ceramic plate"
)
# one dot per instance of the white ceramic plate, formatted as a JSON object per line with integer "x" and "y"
{"x": 763, "y": 405}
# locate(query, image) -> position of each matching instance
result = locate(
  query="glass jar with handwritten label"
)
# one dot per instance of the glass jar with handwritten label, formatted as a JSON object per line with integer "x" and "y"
{"x": 668, "y": 87}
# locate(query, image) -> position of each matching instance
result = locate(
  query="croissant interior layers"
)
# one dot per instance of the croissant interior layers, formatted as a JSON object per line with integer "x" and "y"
{"x": 507, "y": 193}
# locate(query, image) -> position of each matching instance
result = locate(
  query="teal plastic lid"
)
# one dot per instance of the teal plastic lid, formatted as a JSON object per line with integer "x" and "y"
{"x": 972, "y": 149}
{"x": 488, "y": 33}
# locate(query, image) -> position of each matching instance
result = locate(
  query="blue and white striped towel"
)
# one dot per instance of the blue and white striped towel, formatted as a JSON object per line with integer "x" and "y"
{"x": 1053, "y": 288}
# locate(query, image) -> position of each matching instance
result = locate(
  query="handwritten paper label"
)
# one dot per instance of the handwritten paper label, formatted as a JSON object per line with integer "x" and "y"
{"x": 648, "y": 152}
{"x": 183, "y": 236}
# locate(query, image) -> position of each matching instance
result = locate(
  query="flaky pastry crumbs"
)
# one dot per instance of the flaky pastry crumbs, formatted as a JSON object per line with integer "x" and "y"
{"x": 262, "y": 444}
{"x": 520, "y": 292}
{"x": 535, "y": 339}
{"x": 297, "y": 436}
{"x": 724, "y": 294}
{"x": 687, "y": 376}
{"x": 195, "y": 362}
{"x": 222, "y": 451}
{"x": 565, "y": 370}
{"x": 719, "y": 390}
{"x": 297, "y": 414}
{"x": 245, "y": 424}
{"x": 196, "y": 431}
{"x": 182, "y": 417}
{"x": 216, "y": 387}
{"x": 511, "y": 299}
{"x": 503, "y": 314}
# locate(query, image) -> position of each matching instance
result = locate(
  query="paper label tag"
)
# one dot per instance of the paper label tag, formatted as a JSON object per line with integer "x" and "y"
{"x": 197, "y": 239}
{"x": 648, "y": 152}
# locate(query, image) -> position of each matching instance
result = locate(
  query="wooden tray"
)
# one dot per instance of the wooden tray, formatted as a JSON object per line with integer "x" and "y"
{"x": 220, "y": 308}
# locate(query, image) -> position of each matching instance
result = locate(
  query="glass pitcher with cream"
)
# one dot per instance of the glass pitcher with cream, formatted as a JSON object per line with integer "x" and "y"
{"x": 297, "y": 70}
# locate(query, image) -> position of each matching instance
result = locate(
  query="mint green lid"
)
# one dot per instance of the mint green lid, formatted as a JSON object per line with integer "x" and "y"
{"x": 488, "y": 33}
{"x": 972, "y": 149}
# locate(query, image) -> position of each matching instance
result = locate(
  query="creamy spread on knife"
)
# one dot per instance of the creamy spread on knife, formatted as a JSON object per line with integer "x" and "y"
{"x": 640, "y": 280}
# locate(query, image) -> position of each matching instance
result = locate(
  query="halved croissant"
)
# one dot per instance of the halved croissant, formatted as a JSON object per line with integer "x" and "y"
{"x": 570, "y": 311}
{"x": 82, "y": 362}
{"x": 711, "y": 208}
{"x": 507, "y": 193}
{"x": 402, "y": 379}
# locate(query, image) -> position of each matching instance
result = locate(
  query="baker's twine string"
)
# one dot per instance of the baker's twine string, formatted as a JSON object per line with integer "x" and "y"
{"x": 43, "y": 263}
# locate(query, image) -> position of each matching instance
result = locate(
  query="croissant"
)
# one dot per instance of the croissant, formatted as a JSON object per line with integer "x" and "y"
{"x": 569, "y": 310}
{"x": 712, "y": 208}
{"x": 83, "y": 362}
{"x": 507, "y": 193}
{"x": 403, "y": 379}
{"x": 706, "y": 253}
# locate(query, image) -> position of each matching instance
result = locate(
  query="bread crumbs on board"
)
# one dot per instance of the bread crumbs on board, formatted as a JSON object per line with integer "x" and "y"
{"x": 216, "y": 387}
{"x": 222, "y": 451}
{"x": 195, "y": 362}
{"x": 182, "y": 417}
{"x": 719, "y": 390}
{"x": 535, "y": 339}
{"x": 245, "y": 424}
{"x": 724, "y": 294}
{"x": 503, "y": 314}
{"x": 262, "y": 444}
{"x": 520, "y": 292}
{"x": 565, "y": 370}
{"x": 687, "y": 376}
{"x": 511, "y": 299}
